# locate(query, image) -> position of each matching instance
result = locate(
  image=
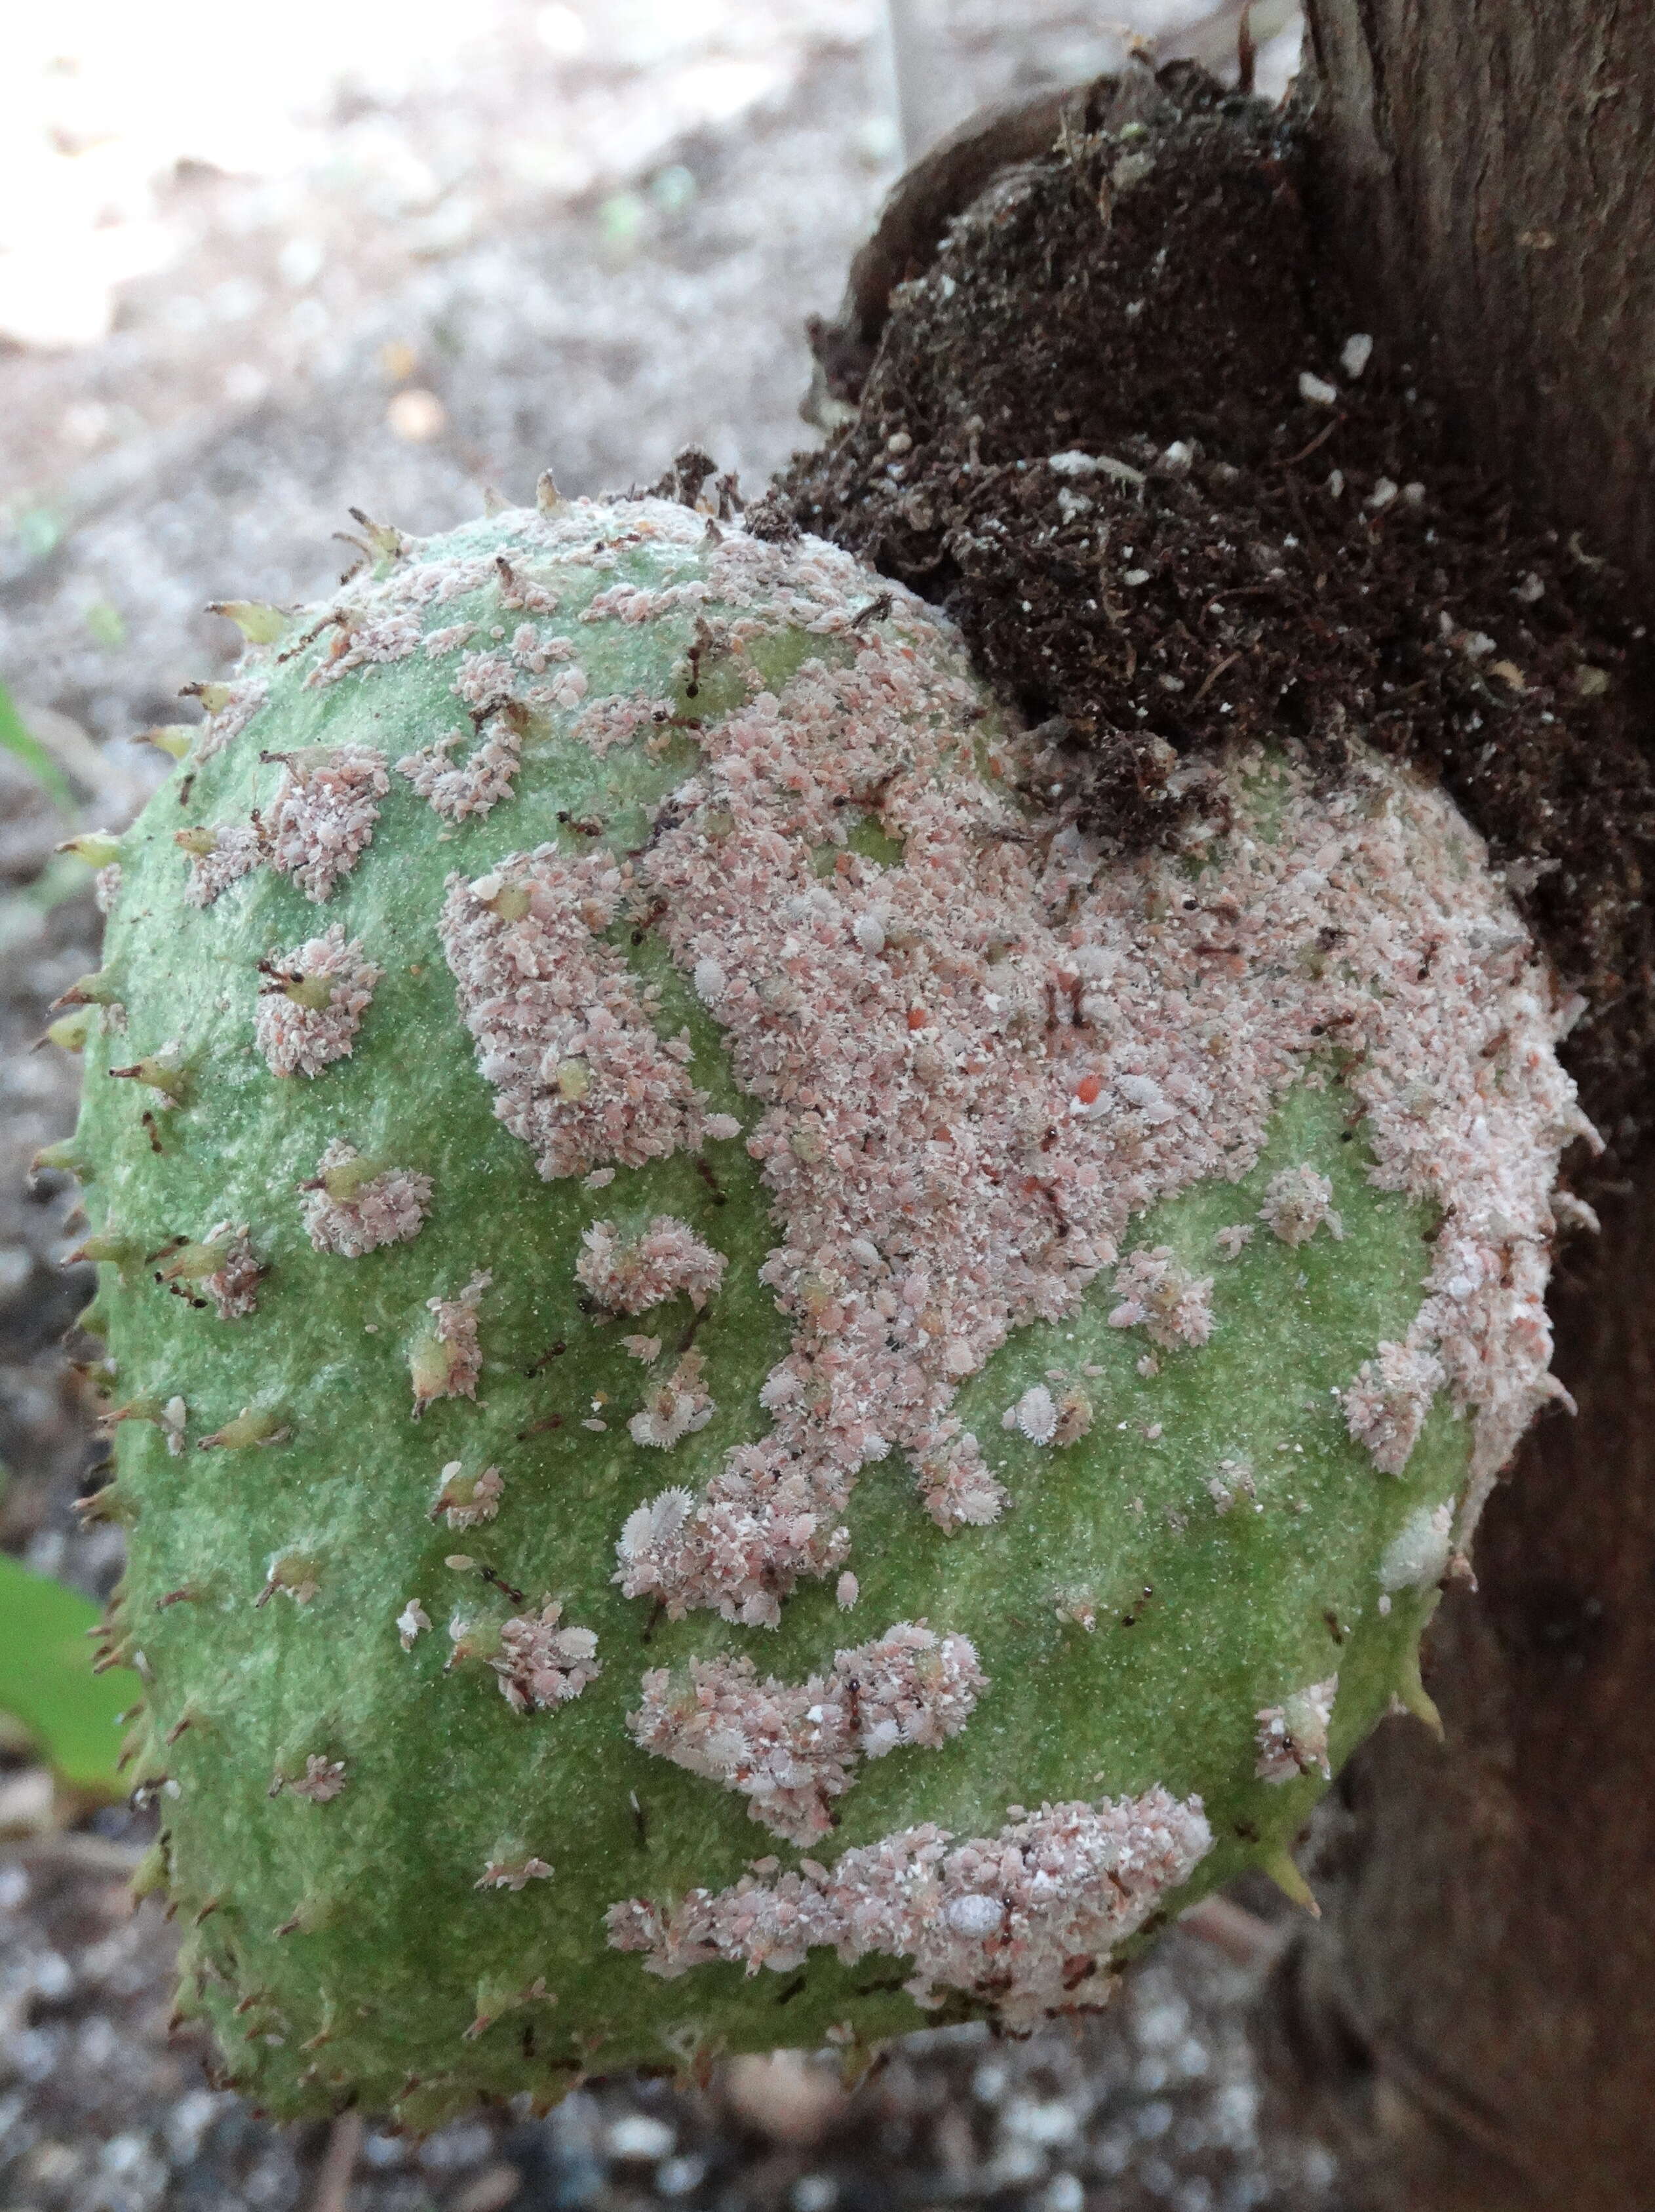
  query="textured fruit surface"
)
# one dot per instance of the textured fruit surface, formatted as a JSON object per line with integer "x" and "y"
{"x": 735, "y": 1350}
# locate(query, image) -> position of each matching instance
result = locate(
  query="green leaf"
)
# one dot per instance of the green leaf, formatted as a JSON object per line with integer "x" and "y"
{"x": 46, "y": 1680}
{"x": 17, "y": 738}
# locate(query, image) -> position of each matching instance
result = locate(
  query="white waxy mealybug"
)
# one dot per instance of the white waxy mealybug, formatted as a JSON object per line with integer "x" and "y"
{"x": 1160, "y": 1295}
{"x": 322, "y": 1780}
{"x": 514, "y": 1874}
{"x": 1292, "y": 1737}
{"x": 1298, "y": 1201}
{"x": 218, "y": 858}
{"x": 1386, "y": 1407}
{"x": 541, "y": 1665}
{"x": 466, "y": 1501}
{"x": 674, "y": 1408}
{"x": 630, "y": 1272}
{"x": 445, "y": 1359}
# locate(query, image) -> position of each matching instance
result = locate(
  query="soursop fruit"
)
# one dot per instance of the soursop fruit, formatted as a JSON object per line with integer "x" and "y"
{"x": 763, "y": 1392}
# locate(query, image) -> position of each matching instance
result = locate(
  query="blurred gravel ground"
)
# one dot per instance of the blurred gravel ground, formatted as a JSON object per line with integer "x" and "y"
{"x": 1152, "y": 2104}
{"x": 594, "y": 242}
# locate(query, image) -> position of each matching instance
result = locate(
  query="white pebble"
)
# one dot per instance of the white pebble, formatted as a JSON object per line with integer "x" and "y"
{"x": 1317, "y": 389}
{"x": 639, "y": 2136}
{"x": 1355, "y": 353}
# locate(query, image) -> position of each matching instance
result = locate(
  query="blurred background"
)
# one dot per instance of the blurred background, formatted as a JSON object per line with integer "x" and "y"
{"x": 257, "y": 267}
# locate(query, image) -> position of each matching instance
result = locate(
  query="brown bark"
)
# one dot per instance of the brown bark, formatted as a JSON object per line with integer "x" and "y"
{"x": 1486, "y": 169}
{"x": 1477, "y": 2010}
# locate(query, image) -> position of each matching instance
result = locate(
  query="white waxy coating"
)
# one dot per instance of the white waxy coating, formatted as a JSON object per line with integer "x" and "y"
{"x": 233, "y": 851}
{"x": 541, "y": 1665}
{"x": 323, "y": 818}
{"x": 630, "y": 1274}
{"x": 1418, "y": 1555}
{"x": 1386, "y": 1405}
{"x": 789, "y": 1749}
{"x": 1020, "y": 977}
{"x": 245, "y": 700}
{"x": 1298, "y": 1201}
{"x": 1026, "y": 974}
{"x": 1292, "y": 1737}
{"x": 300, "y": 1040}
{"x": 1022, "y": 1918}
{"x": 563, "y": 1032}
{"x": 233, "y": 1286}
{"x": 1158, "y": 1294}
{"x": 675, "y": 1407}
{"x": 446, "y": 1363}
{"x": 387, "y": 1208}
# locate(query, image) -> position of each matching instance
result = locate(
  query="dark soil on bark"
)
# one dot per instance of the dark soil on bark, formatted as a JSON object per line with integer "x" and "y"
{"x": 1109, "y": 422}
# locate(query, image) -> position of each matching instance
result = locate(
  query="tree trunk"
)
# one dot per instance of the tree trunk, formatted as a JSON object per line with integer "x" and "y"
{"x": 1485, "y": 165}
{"x": 1476, "y": 2012}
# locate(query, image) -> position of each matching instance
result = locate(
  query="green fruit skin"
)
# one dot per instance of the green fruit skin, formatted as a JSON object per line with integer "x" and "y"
{"x": 342, "y": 1950}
